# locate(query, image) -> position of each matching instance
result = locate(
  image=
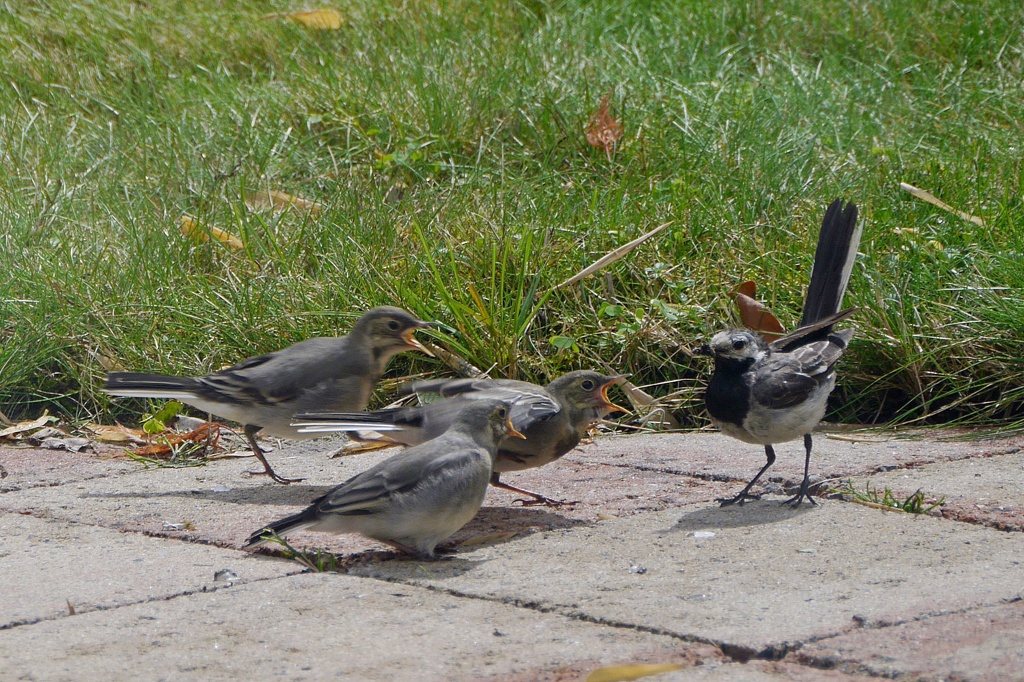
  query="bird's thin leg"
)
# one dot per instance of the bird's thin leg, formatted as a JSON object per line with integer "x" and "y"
{"x": 745, "y": 494}
{"x": 803, "y": 493}
{"x": 250, "y": 434}
{"x": 537, "y": 497}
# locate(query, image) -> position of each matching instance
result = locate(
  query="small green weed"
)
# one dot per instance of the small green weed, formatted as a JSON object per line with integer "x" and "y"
{"x": 318, "y": 561}
{"x": 885, "y": 498}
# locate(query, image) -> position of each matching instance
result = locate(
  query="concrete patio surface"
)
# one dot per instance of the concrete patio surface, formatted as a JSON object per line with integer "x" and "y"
{"x": 113, "y": 570}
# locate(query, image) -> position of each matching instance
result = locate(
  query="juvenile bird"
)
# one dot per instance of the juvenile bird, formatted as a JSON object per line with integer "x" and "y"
{"x": 768, "y": 393}
{"x": 552, "y": 418}
{"x": 263, "y": 392}
{"x": 419, "y": 497}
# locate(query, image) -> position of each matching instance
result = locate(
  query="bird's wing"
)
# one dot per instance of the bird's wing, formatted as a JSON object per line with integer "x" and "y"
{"x": 815, "y": 331}
{"x": 787, "y": 379}
{"x": 530, "y": 403}
{"x": 367, "y": 492}
{"x": 283, "y": 375}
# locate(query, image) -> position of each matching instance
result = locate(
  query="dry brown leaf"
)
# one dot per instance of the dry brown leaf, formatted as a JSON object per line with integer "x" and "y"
{"x": 925, "y": 195}
{"x": 116, "y": 434}
{"x": 23, "y": 427}
{"x": 359, "y": 447}
{"x": 747, "y": 288}
{"x": 191, "y": 227}
{"x": 324, "y": 19}
{"x": 279, "y": 201}
{"x": 754, "y": 314}
{"x": 603, "y": 131}
{"x": 623, "y": 673}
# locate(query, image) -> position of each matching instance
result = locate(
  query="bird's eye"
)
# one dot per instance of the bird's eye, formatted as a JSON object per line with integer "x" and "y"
{"x": 739, "y": 344}
{"x": 502, "y": 412}
{"x": 393, "y": 325}
{"x": 587, "y": 385}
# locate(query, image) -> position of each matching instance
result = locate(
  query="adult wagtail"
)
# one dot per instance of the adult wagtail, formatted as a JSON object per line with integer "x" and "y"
{"x": 768, "y": 393}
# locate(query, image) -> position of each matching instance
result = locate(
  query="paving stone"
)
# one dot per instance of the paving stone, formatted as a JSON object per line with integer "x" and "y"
{"x": 50, "y": 567}
{"x": 982, "y": 644}
{"x": 769, "y": 578}
{"x": 321, "y": 626}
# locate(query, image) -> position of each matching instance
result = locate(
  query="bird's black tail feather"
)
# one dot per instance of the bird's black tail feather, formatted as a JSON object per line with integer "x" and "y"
{"x": 283, "y": 527}
{"x": 833, "y": 262}
{"x": 149, "y": 385}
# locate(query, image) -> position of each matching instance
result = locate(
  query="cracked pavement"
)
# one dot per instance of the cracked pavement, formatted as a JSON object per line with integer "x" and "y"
{"x": 117, "y": 571}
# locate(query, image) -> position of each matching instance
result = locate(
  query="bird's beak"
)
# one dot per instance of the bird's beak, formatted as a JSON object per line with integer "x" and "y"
{"x": 605, "y": 402}
{"x": 704, "y": 350}
{"x": 511, "y": 430}
{"x": 410, "y": 339}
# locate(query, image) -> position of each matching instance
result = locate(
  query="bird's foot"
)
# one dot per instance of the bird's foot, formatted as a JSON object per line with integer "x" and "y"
{"x": 538, "y": 500}
{"x": 279, "y": 479}
{"x": 797, "y": 499}
{"x": 740, "y": 499}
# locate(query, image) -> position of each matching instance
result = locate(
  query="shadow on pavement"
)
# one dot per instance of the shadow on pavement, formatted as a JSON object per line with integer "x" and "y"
{"x": 756, "y": 513}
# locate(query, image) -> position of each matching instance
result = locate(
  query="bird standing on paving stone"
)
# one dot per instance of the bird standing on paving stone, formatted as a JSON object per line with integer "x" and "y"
{"x": 263, "y": 392}
{"x": 552, "y": 418}
{"x": 769, "y": 393}
{"x": 420, "y": 496}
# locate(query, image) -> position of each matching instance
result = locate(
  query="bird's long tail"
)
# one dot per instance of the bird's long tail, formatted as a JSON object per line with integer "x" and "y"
{"x": 283, "y": 527}
{"x": 833, "y": 262}
{"x": 131, "y": 384}
{"x": 390, "y": 419}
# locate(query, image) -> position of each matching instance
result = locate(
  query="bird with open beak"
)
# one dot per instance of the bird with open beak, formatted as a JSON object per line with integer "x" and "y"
{"x": 263, "y": 392}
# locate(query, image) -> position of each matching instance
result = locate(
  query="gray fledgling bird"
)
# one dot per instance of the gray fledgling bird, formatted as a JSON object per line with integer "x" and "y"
{"x": 767, "y": 393}
{"x": 263, "y": 392}
{"x": 552, "y": 418}
{"x": 419, "y": 497}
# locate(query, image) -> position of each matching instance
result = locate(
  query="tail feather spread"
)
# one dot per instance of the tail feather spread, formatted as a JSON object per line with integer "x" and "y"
{"x": 833, "y": 262}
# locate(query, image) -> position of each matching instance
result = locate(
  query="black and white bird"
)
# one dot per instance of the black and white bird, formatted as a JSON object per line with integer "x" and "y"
{"x": 552, "y": 418}
{"x": 768, "y": 393}
{"x": 418, "y": 497}
{"x": 263, "y": 392}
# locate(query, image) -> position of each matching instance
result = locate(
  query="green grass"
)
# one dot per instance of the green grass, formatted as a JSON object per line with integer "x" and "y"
{"x": 445, "y": 140}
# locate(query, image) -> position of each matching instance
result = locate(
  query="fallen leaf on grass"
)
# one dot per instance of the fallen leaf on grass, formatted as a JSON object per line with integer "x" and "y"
{"x": 279, "y": 201}
{"x": 324, "y": 19}
{"x": 191, "y": 227}
{"x": 23, "y": 427}
{"x": 754, "y": 314}
{"x": 623, "y": 673}
{"x": 603, "y": 131}
{"x": 116, "y": 434}
{"x": 924, "y": 195}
